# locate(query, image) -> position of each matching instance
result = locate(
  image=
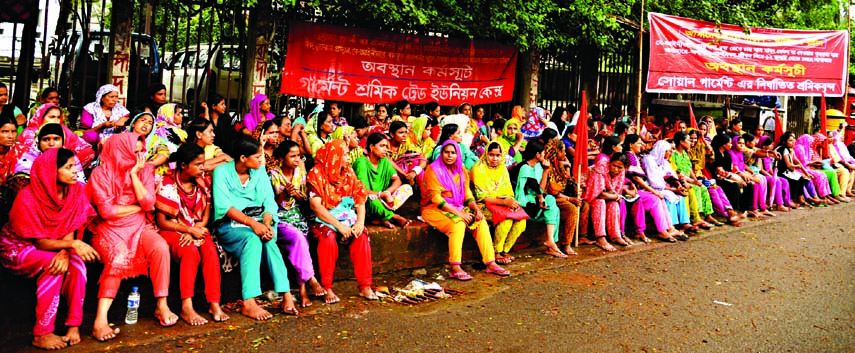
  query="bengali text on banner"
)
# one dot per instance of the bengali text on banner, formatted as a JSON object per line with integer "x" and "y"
{"x": 697, "y": 57}
{"x": 362, "y": 65}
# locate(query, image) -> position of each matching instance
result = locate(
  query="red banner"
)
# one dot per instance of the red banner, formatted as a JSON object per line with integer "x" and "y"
{"x": 696, "y": 57}
{"x": 361, "y": 65}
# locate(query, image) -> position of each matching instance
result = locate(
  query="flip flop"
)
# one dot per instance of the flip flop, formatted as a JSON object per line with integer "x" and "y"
{"x": 499, "y": 271}
{"x": 460, "y": 276}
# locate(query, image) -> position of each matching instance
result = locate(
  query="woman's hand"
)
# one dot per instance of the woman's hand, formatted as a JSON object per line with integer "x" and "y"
{"x": 541, "y": 201}
{"x": 411, "y": 177}
{"x": 357, "y": 229}
{"x": 185, "y": 239}
{"x": 138, "y": 166}
{"x": 545, "y": 164}
{"x": 659, "y": 194}
{"x": 269, "y": 233}
{"x": 290, "y": 189}
{"x": 478, "y": 215}
{"x": 467, "y": 217}
{"x": 85, "y": 251}
{"x": 387, "y": 196}
{"x": 198, "y": 232}
{"x": 511, "y": 203}
{"x": 345, "y": 231}
{"x": 59, "y": 263}
{"x": 257, "y": 228}
{"x": 575, "y": 200}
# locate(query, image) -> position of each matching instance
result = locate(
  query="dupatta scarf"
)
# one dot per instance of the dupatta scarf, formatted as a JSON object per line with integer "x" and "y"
{"x": 414, "y": 136}
{"x": 445, "y": 175}
{"x": 840, "y": 147}
{"x": 40, "y": 213}
{"x": 256, "y": 117}
{"x": 558, "y": 176}
{"x": 491, "y": 181}
{"x": 166, "y": 131}
{"x": 82, "y": 149}
{"x": 186, "y": 207}
{"x": 658, "y": 168}
{"x": 333, "y": 178}
{"x": 802, "y": 149}
{"x": 601, "y": 180}
{"x": 737, "y": 155}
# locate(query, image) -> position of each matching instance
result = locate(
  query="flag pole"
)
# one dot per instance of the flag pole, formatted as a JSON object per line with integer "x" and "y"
{"x": 579, "y": 208}
{"x": 640, "y": 69}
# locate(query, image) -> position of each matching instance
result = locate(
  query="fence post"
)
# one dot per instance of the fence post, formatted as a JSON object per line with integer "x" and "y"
{"x": 528, "y": 66}
{"x": 120, "y": 43}
{"x": 255, "y": 69}
{"x": 590, "y": 73}
{"x": 25, "y": 63}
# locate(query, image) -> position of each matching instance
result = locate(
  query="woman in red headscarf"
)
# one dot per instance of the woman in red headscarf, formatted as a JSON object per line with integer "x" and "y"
{"x": 122, "y": 190}
{"x": 338, "y": 198}
{"x": 39, "y": 241}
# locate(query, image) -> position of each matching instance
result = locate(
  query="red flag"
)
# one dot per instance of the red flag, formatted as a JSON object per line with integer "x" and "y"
{"x": 779, "y": 130}
{"x": 692, "y": 122}
{"x": 581, "y": 131}
{"x": 822, "y": 117}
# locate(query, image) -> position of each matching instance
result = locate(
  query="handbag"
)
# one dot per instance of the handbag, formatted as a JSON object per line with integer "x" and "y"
{"x": 502, "y": 212}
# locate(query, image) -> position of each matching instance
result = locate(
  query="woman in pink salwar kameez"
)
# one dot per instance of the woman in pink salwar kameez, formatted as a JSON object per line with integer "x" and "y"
{"x": 39, "y": 242}
{"x": 122, "y": 190}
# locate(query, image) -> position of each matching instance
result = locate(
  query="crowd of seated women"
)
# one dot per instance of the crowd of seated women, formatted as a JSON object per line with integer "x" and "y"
{"x": 147, "y": 191}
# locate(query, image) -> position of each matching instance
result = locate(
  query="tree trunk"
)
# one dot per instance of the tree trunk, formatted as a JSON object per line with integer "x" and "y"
{"x": 254, "y": 72}
{"x": 24, "y": 71}
{"x": 590, "y": 73}
{"x": 528, "y": 67}
{"x": 121, "y": 25}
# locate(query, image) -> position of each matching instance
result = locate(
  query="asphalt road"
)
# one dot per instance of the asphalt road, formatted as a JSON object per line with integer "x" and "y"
{"x": 783, "y": 285}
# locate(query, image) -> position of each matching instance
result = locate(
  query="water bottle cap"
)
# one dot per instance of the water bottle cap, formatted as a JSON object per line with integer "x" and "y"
{"x": 135, "y": 289}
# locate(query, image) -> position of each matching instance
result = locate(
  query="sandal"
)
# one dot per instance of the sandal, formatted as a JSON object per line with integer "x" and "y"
{"x": 499, "y": 271}
{"x": 668, "y": 239}
{"x": 460, "y": 276}
{"x": 504, "y": 260}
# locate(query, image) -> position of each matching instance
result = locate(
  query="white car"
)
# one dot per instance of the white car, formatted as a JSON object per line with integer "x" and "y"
{"x": 194, "y": 72}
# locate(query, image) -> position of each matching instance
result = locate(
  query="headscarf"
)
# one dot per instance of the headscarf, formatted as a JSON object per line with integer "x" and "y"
{"x": 657, "y": 166}
{"x": 28, "y": 158}
{"x": 802, "y": 149}
{"x": 39, "y": 213}
{"x": 332, "y": 178}
{"x": 117, "y": 159}
{"x": 166, "y": 132}
{"x": 491, "y": 181}
{"x": 414, "y": 136}
{"x": 148, "y": 137}
{"x": 446, "y": 176}
{"x": 737, "y": 155}
{"x": 507, "y": 140}
{"x": 819, "y": 140}
{"x": 255, "y": 117}
{"x": 518, "y": 114}
{"x": 339, "y": 134}
{"x": 698, "y": 152}
{"x": 82, "y": 149}
{"x": 840, "y": 147}
{"x": 98, "y": 116}
{"x": 558, "y": 175}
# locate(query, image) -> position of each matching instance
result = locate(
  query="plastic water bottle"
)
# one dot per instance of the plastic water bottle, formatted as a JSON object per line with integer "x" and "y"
{"x": 133, "y": 307}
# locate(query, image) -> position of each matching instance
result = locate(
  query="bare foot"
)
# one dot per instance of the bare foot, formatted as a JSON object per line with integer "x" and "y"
{"x": 251, "y": 309}
{"x": 643, "y": 238}
{"x": 49, "y": 342}
{"x": 569, "y": 250}
{"x": 386, "y": 224}
{"x": 72, "y": 336}
{"x": 368, "y": 293}
{"x": 288, "y": 305}
{"x": 305, "y": 301}
{"x": 782, "y": 208}
{"x": 102, "y": 331}
{"x": 166, "y": 317}
{"x": 317, "y": 289}
{"x": 768, "y": 213}
{"x": 190, "y": 316}
{"x": 603, "y": 244}
{"x": 217, "y": 312}
{"x": 401, "y": 221}
{"x": 330, "y": 297}
{"x": 586, "y": 241}
{"x": 552, "y": 249}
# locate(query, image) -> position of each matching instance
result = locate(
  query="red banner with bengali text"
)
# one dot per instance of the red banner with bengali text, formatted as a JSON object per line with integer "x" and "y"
{"x": 368, "y": 66}
{"x": 693, "y": 56}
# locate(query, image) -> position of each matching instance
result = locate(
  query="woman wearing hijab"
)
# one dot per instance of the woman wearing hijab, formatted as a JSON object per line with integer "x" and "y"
{"x": 831, "y": 164}
{"x": 511, "y": 139}
{"x": 825, "y": 186}
{"x": 664, "y": 179}
{"x": 779, "y": 187}
{"x": 493, "y": 191}
{"x": 289, "y": 184}
{"x": 167, "y": 136}
{"x": 40, "y": 242}
{"x": 321, "y": 134}
{"x": 698, "y": 197}
{"x": 561, "y": 185}
{"x": 103, "y": 117}
{"x": 731, "y": 183}
{"x": 385, "y": 191}
{"x": 448, "y": 206}
{"x": 604, "y": 191}
{"x": 245, "y": 214}
{"x": 52, "y": 113}
{"x": 183, "y": 206}
{"x": 409, "y": 159}
{"x": 650, "y": 201}
{"x": 122, "y": 191}
{"x": 845, "y": 157}
{"x": 350, "y": 137}
{"x": 259, "y": 112}
{"x": 338, "y": 198}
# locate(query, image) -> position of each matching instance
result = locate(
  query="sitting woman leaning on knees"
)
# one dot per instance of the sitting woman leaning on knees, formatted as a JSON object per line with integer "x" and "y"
{"x": 605, "y": 188}
{"x": 183, "y": 210}
{"x": 561, "y": 185}
{"x": 789, "y": 168}
{"x": 445, "y": 192}
{"x": 39, "y": 241}
{"x": 122, "y": 190}
{"x": 531, "y": 181}
{"x": 385, "y": 190}
{"x": 245, "y": 215}
{"x": 495, "y": 196}
{"x": 338, "y": 198}
{"x": 663, "y": 178}
{"x": 650, "y": 201}
{"x": 289, "y": 184}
